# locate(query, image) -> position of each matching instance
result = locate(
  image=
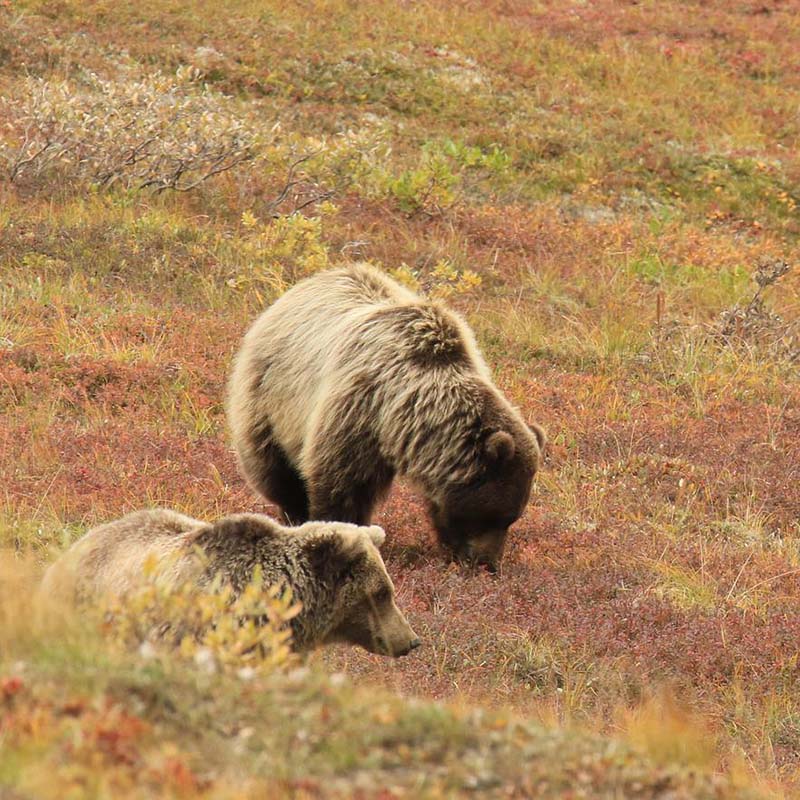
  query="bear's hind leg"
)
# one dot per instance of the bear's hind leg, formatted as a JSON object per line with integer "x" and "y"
{"x": 271, "y": 474}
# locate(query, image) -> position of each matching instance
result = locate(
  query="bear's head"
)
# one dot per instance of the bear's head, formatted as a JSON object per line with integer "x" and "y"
{"x": 345, "y": 558}
{"x": 472, "y": 518}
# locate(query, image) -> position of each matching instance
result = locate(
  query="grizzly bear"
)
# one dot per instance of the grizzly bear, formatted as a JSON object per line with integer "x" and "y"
{"x": 350, "y": 379}
{"x": 333, "y": 569}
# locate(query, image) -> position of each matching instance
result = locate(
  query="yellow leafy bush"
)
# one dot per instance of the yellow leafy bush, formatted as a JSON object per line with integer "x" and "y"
{"x": 441, "y": 282}
{"x": 212, "y": 626}
{"x": 281, "y": 251}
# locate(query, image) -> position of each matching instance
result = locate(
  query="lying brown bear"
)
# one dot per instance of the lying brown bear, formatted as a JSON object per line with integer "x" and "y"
{"x": 333, "y": 569}
{"x": 348, "y": 380}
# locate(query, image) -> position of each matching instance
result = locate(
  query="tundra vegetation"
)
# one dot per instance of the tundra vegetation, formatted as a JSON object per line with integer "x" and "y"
{"x": 608, "y": 192}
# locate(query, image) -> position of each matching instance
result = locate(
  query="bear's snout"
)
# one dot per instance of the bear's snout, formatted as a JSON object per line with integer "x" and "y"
{"x": 412, "y": 645}
{"x": 481, "y": 550}
{"x": 395, "y": 637}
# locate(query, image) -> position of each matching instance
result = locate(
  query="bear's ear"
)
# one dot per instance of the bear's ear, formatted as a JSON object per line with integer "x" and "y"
{"x": 500, "y": 446}
{"x": 377, "y": 535}
{"x": 334, "y": 555}
{"x": 541, "y": 436}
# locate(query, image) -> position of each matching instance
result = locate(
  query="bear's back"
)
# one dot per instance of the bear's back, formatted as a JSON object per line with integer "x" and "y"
{"x": 287, "y": 353}
{"x": 111, "y": 558}
{"x": 329, "y": 331}
{"x": 390, "y": 322}
{"x": 237, "y": 543}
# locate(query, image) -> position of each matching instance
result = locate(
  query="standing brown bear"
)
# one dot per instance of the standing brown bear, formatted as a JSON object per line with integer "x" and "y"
{"x": 348, "y": 380}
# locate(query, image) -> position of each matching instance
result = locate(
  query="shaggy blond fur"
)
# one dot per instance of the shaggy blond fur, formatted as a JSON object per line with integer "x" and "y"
{"x": 334, "y": 570}
{"x": 350, "y": 379}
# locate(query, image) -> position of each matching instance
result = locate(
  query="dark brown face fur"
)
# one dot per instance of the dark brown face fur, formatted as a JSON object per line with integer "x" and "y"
{"x": 334, "y": 569}
{"x": 365, "y": 610}
{"x": 472, "y": 520}
{"x": 375, "y": 623}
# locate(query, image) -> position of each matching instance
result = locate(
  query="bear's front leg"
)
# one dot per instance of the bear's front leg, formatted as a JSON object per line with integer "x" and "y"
{"x": 347, "y": 489}
{"x": 345, "y": 472}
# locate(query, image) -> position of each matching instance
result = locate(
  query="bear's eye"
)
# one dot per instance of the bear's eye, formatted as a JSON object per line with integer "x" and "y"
{"x": 381, "y": 596}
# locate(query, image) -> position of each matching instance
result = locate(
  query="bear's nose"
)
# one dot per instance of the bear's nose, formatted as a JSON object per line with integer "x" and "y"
{"x": 414, "y": 644}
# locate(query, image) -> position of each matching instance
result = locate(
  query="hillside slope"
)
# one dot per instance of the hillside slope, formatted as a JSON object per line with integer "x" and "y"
{"x": 607, "y": 191}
